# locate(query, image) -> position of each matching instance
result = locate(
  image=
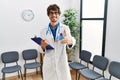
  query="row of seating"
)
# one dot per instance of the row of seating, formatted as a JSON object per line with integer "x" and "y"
{"x": 13, "y": 57}
{"x": 99, "y": 62}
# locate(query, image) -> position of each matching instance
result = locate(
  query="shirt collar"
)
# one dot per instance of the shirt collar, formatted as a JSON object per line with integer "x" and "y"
{"x": 50, "y": 26}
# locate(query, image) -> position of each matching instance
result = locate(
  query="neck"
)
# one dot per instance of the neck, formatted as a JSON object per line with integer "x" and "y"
{"x": 53, "y": 24}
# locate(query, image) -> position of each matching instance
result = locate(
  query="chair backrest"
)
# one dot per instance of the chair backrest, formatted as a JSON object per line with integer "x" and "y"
{"x": 85, "y": 56}
{"x": 114, "y": 69}
{"x": 9, "y": 57}
{"x": 29, "y": 54}
{"x": 100, "y": 62}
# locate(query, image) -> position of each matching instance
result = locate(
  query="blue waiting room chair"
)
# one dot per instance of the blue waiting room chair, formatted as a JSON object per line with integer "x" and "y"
{"x": 10, "y": 57}
{"x": 84, "y": 56}
{"x": 99, "y": 62}
{"x": 30, "y": 55}
{"x": 114, "y": 70}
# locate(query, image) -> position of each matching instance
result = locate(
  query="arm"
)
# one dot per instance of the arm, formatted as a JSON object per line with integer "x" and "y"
{"x": 44, "y": 42}
{"x": 68, "y": 39}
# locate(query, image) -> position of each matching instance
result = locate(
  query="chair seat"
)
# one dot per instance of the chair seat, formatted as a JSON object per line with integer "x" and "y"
{"x": 90, "y": 74}
{"x": 77, "y": 65}
{"x": 103, "y": 79}
{"x": 11, "y": 69}
{"x": 32, "y": 65}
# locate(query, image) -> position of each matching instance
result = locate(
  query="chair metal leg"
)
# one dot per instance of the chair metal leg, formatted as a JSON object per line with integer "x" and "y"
{"x": 76, "y": 74}
{"x": 3, "y": 77}
{"x": 36, "y": 70}
{"x": 79, "y": 77}
{"x": 21, "y": 74}
{"x": 110, "y": 77}
{"x": 25, "y": 73}
{"x": 18, "y": 75}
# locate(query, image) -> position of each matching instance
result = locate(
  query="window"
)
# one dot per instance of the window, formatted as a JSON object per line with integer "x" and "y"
{"x": 93, "y": 14}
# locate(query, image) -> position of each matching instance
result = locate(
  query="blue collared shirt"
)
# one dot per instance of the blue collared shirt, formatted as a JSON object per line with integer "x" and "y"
{"x": 54, "y": 30}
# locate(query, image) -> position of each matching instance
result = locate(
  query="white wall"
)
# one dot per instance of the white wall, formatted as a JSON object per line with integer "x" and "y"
{"x": 15, "y": 33}
{"x": 112, "y": 50}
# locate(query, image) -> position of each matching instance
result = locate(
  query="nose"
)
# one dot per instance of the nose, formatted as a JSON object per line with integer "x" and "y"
{"x": 54, "y": 14}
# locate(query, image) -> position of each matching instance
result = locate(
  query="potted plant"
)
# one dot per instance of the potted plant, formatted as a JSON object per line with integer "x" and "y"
{"x": 70, "y": 19}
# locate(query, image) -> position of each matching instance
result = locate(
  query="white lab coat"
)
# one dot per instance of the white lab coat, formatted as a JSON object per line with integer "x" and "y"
{"x": 55, "y": 65}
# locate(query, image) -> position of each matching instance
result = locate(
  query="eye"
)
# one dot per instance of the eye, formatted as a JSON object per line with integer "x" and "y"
{"x": 51, "y": 13}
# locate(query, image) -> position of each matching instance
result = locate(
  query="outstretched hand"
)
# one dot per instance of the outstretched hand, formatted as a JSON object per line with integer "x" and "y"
{"x": 66, "y": 39}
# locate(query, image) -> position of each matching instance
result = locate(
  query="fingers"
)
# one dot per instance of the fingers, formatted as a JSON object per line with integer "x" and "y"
{"x": 44, "y": 43}
{"x": 65, "y": 33}
{"x": 64, "y": 41}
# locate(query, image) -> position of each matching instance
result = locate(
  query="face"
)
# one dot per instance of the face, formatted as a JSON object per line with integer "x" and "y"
{"x": 53, "y": 16}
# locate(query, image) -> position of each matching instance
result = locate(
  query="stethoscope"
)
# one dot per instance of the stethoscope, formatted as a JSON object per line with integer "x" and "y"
{"x": 58, "y": 36}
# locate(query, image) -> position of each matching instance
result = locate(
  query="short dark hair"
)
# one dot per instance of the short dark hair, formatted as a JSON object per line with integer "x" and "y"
{"x": 53, "y": 7}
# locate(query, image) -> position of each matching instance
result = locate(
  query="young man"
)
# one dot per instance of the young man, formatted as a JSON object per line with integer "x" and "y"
{"x": 55, "y": 65}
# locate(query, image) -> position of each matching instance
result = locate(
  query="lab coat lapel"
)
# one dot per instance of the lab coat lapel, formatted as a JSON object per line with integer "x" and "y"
{"x": 50, "y": 38}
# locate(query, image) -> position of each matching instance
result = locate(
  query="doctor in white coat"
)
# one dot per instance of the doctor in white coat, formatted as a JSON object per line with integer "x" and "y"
{"x": 55, "y": 65}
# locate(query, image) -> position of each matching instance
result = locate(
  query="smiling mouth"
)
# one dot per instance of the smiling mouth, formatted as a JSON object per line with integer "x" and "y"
{"x": 53, "y": 17}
